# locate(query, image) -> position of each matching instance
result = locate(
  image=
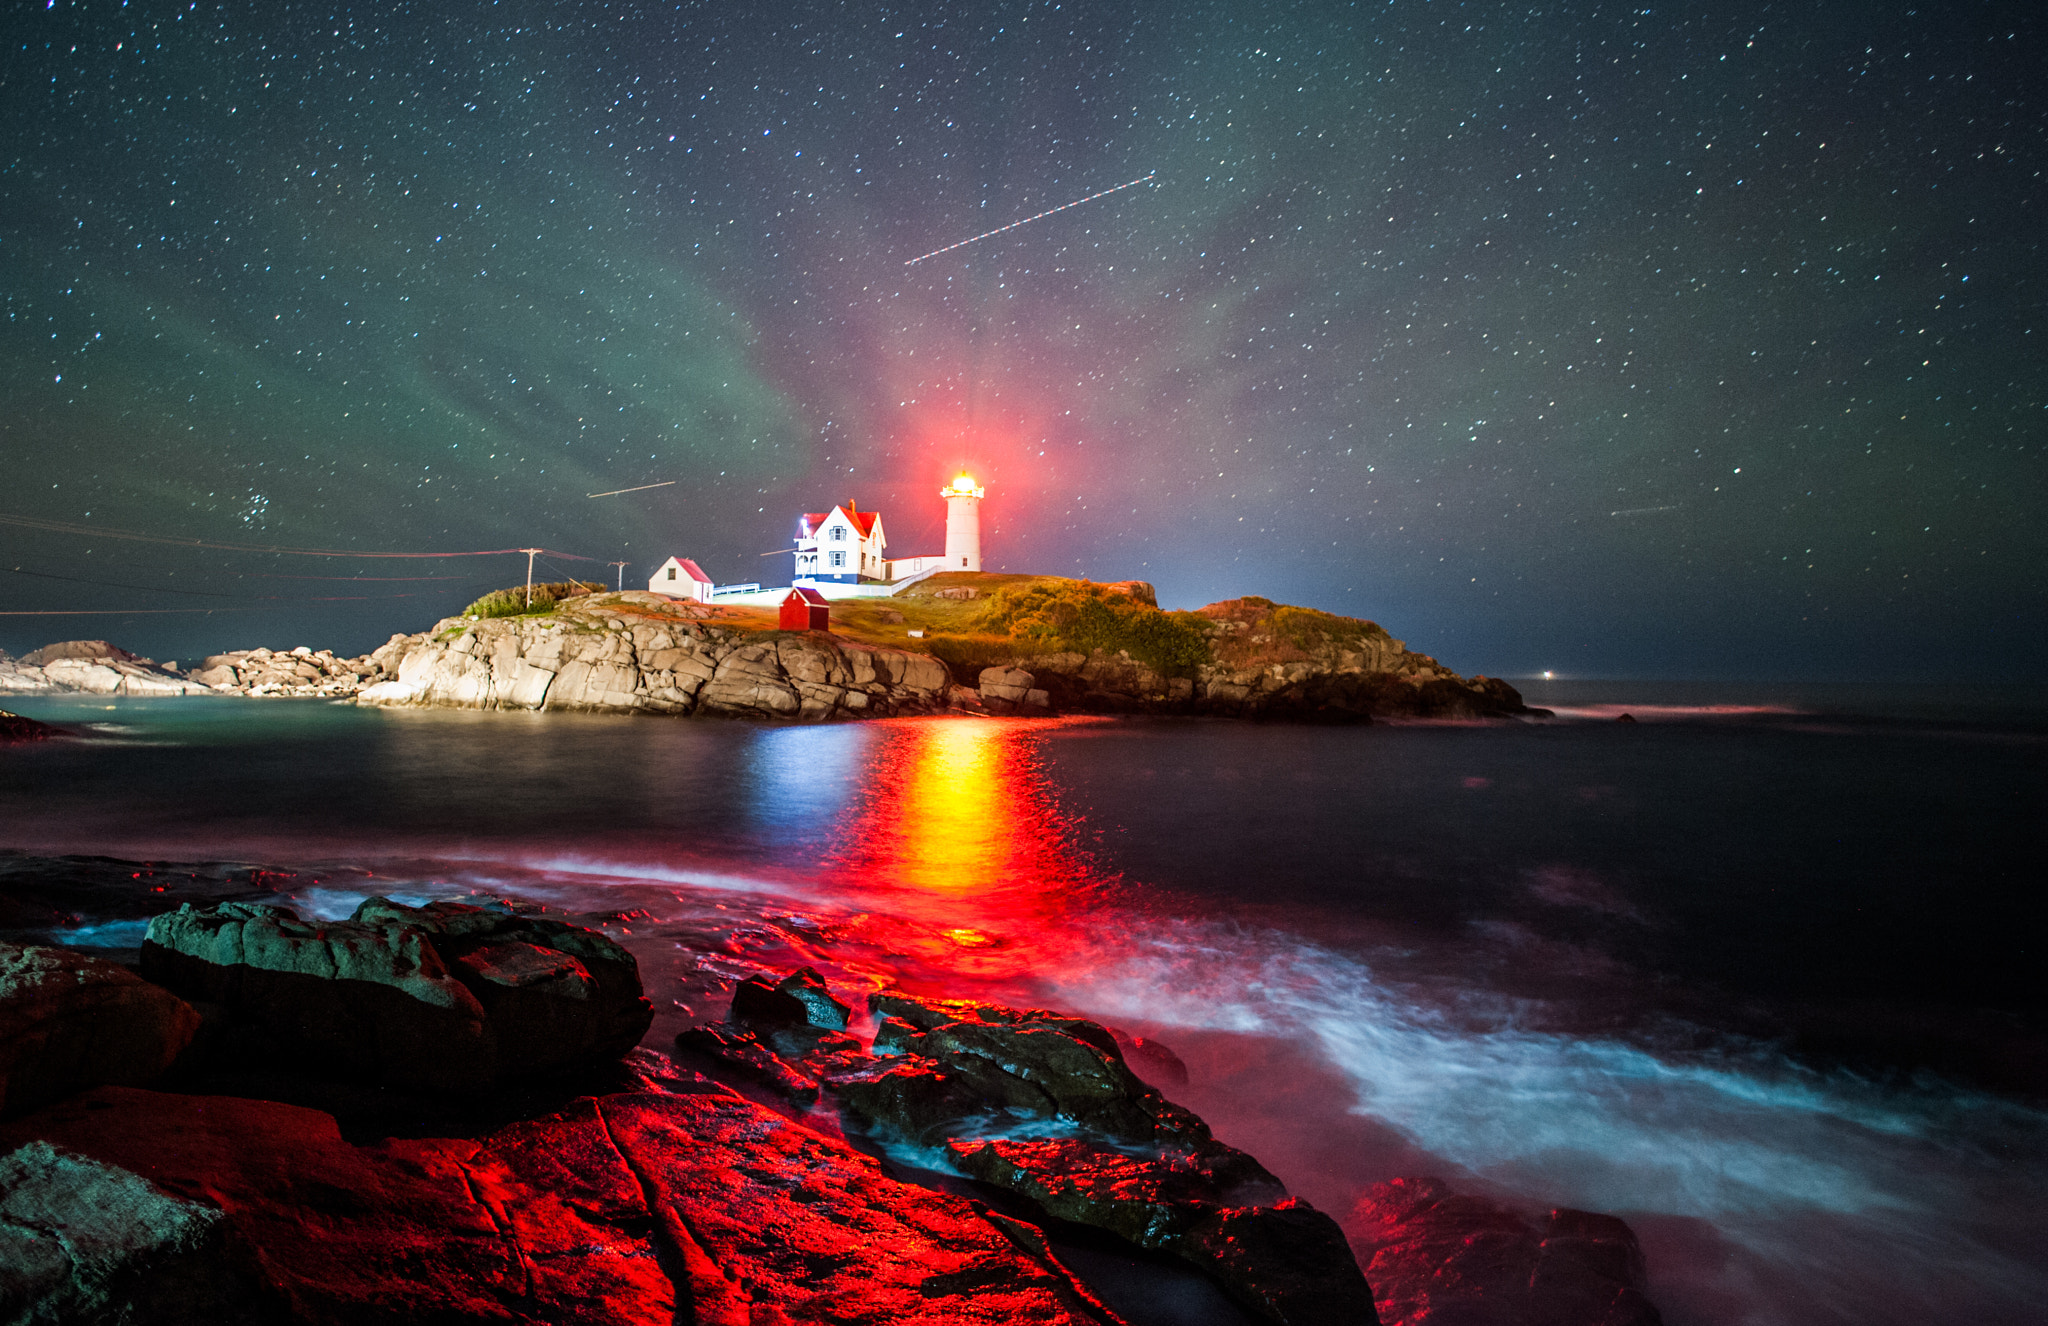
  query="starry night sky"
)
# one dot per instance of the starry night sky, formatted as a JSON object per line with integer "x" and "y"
{"x": 1622, "y": 341}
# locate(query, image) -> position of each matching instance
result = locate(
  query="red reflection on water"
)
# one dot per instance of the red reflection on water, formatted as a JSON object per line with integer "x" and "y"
{"x": 960, "y": 829}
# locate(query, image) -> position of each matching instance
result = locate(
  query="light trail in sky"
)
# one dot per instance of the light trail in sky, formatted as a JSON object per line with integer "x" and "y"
{"x": 1029, "y": 219}
{"x": 641, "y": 489}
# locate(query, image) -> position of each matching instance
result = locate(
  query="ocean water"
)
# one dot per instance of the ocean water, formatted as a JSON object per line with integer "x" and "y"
{"x": 1757, "y": 972}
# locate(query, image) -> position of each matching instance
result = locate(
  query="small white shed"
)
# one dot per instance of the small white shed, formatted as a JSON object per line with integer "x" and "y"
{"x": 681, "y": 578}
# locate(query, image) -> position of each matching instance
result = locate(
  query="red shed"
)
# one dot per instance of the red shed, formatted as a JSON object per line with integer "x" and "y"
{"x": 806, "y": 610}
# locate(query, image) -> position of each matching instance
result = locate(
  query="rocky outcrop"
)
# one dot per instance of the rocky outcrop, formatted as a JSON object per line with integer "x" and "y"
{"x": 1267, "y": 661}
{"x": 1045, "y": 1106}
{"x": 14, "y": 728}
{"x": 638, "y": 652}
{"x": 294, "y": 672}
{"x": 69, "y": 1022}
{"x": 446, "y": 997}
{"x": 91, "y": 667}
{"x": 1437, "y": 1255}
{"x": 684, "y": 1204}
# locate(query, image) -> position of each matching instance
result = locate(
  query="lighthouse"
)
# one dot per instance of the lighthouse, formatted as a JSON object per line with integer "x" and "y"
{"x": 963, "y": 524}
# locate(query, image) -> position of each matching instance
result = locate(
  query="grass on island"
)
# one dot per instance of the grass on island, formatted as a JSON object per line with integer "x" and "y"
{"x": 519, "y": 602}
{"x": 975, "y": 619}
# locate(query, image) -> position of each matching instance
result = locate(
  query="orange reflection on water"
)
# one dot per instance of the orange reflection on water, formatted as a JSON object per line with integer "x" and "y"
{"x": 958, "y": 823}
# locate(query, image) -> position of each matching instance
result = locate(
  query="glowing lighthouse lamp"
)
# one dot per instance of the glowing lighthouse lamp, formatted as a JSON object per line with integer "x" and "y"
{"x": 963, "y": 524}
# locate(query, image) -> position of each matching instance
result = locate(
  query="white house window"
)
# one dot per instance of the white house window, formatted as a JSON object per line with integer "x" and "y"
{"x": 839, "y": 559}
{"x": 839, "y": 533}
{"x": 671, "y": 573}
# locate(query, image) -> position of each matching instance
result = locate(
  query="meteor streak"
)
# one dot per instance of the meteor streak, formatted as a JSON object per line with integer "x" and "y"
{"x": 641, "y": 489}
{"x": 1027, "y": 220}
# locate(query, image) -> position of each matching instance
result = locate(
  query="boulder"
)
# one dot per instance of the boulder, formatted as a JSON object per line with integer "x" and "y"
{"x": 75, "y": 649}
{"x": 1438, "y": 1255}
{"x": 83, "y": 1241}
{"x": 1008, "y": 685}
{"x": 1026, "y": 1061}
{"x": 69, "y": 1022}
{"x": 1044, "y": 1105}
{"x": 798, "y": 998}
{"x": 447, "y": 997}
{"x": 540, "y": 1222}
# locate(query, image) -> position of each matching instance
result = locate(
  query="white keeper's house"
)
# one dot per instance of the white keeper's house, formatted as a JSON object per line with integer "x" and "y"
{"x": 843, "y": 554}
{"x": 842, "y": 546}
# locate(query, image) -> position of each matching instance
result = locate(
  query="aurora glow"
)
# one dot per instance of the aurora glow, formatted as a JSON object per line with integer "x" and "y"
{"x": 1594, "y": 338}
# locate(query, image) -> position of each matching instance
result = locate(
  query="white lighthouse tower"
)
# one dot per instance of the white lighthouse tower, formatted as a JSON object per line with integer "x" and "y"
{"x": 963, "y": 524}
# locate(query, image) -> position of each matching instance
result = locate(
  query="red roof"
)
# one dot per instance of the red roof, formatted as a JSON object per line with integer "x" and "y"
{"x": 864, "y": 521}
{"x": 809, "y": 596}
{"x": 692, "y": 570}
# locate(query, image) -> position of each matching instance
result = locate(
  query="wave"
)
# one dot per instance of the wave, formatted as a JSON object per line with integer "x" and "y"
{"x": 1884, "y": 1203}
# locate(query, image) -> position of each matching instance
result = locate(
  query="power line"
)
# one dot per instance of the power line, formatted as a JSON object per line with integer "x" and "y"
{"x": 96, "y": 532}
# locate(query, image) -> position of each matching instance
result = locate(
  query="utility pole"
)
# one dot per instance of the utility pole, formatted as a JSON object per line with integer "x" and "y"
{"x": 530, "y": 552}
{"x": 622, "y": 575}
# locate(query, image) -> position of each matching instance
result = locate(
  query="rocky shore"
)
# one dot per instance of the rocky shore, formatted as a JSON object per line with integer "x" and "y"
{"x": 636, "y": 652}
{"x": 443, "y": 1113}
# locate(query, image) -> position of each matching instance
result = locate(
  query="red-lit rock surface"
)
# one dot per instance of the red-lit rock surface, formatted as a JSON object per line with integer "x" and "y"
{"x": 639, "y": 1207}
{"x": 961, "y": 1074}
{"x": 1442, "y": 1257}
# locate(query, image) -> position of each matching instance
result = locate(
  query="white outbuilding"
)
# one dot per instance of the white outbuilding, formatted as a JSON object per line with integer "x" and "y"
{"x": 680, "y": 578}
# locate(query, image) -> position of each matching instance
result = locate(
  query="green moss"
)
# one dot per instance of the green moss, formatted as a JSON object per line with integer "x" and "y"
{"x": 513, "y": 602}
{"x": 1084, "y": 617}
{"x": 1310, "y": 629}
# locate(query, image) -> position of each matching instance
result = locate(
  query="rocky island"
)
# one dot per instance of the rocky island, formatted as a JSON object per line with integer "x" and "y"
{"x": 960, "y": 642}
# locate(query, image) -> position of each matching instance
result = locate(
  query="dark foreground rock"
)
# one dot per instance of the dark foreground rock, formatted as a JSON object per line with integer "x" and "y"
{"x": 1439, "y": 1256}
{"x": 14, "y": 728}
{"x": 85, "y": 1241}
{"x": 447, "y": 997}
{"x": 985, "y": 1082}
{"x": 660, "y": 1206}
{"x": 69, "y": 1022}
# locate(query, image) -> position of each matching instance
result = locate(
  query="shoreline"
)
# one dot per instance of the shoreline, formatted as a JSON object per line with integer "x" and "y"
{"x": 635, "y": 652}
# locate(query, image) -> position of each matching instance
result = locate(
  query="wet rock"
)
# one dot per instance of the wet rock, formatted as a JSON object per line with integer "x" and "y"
{"x": 799, "y": 999}
{"x": 640, "y": 1207}
{"x": 446, "y": 997}
{"x": 83, "y": 1241}
{"x": 542, "y": 1222}
{"x": 744, "y": 1053}
{"x": 1151, "y": 1060}
{"x": 1027, "y": 1060}
{"x": 962, "y": 1074}
{"x": 1438, "y": 1255}
{"x": 779, "y": 1223}
{"x": 69, "y": 1022}
{"x": 1153, "y": 1198}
